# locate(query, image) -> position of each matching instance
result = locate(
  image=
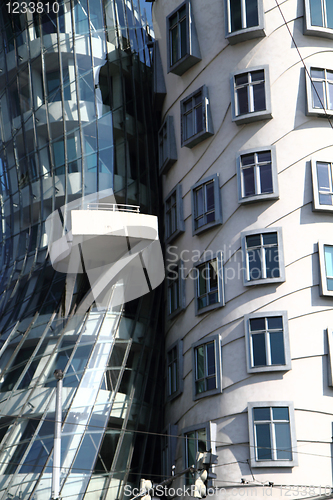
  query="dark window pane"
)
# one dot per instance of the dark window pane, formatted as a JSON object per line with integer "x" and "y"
{"x": 258, "y": 76}
{"x": 183, "y": 39}
{"x": 316, "y": 14}
{"x": 235, "y": 15}
{"x": 210, "y": 358}
{"x": 248, "y": 159}
{"x": 257, "y": 324}
{"x": 264, "y": 156}
{"x": 259, "y": 97}
{"x": 211, "y": 384}
{"x": 174, "y": 45}
{"x": 277, "y": 348}
{"x": 274, "y": 323}
{"x": 242, "y": 99}
{"x": 248, "y": 181}
{"x": 241, "y": 79}
{"x": 259, "y": 351}
{"x": 263, "y": 435}
{"x": 280, "y": 413}
{"x": 198, "y": 119}
{"x": 210, "y": 196}
{"x": 253, "y": 241}
{"x": 270, "y": 238}
{"x": 254, "y": 257}
{"x": 251, "y": 13}
{"x": 272, "y": 262}
{"x": 200, "y": 362}
{"x": 283, "y": 441}
{"x": 261, "y": 414}
{"x": 318, "y": 94}
{"x": 266, "y": 182}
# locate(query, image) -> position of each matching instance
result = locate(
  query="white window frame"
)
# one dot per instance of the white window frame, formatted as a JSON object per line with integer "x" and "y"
{"x": 207, "y": 124}
{"x": 217, "y": 204}
{"x": 245, "y": 33}
{"x": 178, "y": 377}
{"x": 257, "y": 196}
{"x": 264, "y": 280}
{"x": 269, "y": 367}
{"x": 251, "y": 115}
{"x": 324, "y": 289}
{"x": 176, "y": 213}
{"x": 216, "y": 341}
{"x": 220, "y": 283}
{"x": 177, "y": 279}
{"x": 313, "y": 30}
{"x": 310, "y": 92}
{"x": 192, "y": 55}
{"x": 167, "y": 150}
{"x": 210, "y": 428}
{"x": 315, "y": 185}
{"x": 274, "y": 462}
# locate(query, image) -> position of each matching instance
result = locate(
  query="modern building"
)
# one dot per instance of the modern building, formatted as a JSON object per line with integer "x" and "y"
{"x": 79, "y": 197}
{"x": 245, "y": 155}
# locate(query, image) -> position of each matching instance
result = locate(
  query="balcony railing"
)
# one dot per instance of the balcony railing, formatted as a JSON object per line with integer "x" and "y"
{"x": 113, "y": 207}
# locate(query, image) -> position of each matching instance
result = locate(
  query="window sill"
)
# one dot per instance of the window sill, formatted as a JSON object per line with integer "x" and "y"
{"x": 207, "y": 226}
{"x": 245, "y": 34}
{"x": 206, "y": 309}
{"x": 319, "y": 112}
{"x": 252, "y": 117}
{"x": 316, "y": 207}
{"x": 259, "y": 197}
{"x": 164, "y": 169}
{"x": 173, "y": 396}
{"x": 173, "y": 236}
{"x": 310, "y": 30}
{"x": 274, "y": 463}
{"x": 184, "y": 64}
{"x": 196, "y": 139}
{"x": 175, "y": 313}
{"x": 205, "y": 394}
{"x": 271, "y": 368}
{"x": 265, "y": 281}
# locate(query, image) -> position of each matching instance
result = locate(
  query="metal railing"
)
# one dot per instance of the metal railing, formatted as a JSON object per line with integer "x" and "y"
{"x": 114, "y": 207}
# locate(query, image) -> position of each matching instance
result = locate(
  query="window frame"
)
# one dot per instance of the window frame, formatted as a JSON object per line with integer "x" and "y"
{"x": 218, "y": 256}
{"x": 258, "y": 196}
{"x": 207, "y": 123}
{"x": 324, "y": 292}
{"x": 268, "y": 367}
{"x": 180, "y": 283}
{"x": 210, "y": 428}
{"x": 263, "y": 281}
{"x": 179, "y": 216}
{"x": 246, "y": 33}
{"x": 193, "y": 54}
{"x": 216, "y": 339}
{"x": 317, "y": 206}
{"x": 180, "y": 367}
{"x": 273, "y": 462}
{"x": 251, "y": 116}
{"x": 217, "y": 204}
{"x": 310, "y": 109}
{"x": 313, "y": 30}
{"x": 168, "y": 141}
{"x": 169, "y": 449}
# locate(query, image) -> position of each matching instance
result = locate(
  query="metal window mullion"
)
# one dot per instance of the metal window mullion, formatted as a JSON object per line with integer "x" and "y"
{"x": 250, "y": 94}
{"x": 263, "y": 257}
{"x": 256, "y": 167}
{"x": 243, "y": 13}
{"x": 324, "y": 12}
{"x": 229, "y": 15}
{"x": 273, "y": 436}
{"x": 268, "y": 344}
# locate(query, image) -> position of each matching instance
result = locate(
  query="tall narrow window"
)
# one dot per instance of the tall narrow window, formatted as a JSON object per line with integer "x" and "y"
{"x": 206, "y": 204}
{"x": 244, "y": 20}
{"x": 205, "y": 368}
{"x": 195, "y": 442}
{"x": 167, "y": 145}
{"x": 322, "y": 181}
{"x": 173, "y": 214}
{"x": 175, "y": 288}
{"x": 209, "y": 284}
{"x": 251, "y": 95}
{"x": 263, "y": 257}
{"x": 257, "y": 176}
{"x": 196, "y": 122}
{"x": 326, "y": 268}
{"x": 178, "y": 35}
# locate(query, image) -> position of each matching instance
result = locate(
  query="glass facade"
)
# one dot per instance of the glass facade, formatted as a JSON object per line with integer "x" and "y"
{"x": 75, "y": 118}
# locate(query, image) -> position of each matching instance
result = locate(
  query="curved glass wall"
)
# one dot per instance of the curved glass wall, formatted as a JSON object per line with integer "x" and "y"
{"x": 75, "y": 118}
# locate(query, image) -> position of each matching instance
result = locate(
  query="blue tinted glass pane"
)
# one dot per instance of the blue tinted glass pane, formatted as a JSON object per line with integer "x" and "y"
{"x": 316, "y": 13}
{"x": 329, "y": 13}
{"x": 280, "y": 413}
{"x": 272, "y": 262}
{"x": 251, "y": 13}
{"x": 253, "y": 241}
{"x": 274, "y": 323}
{"x": 199, "y": 202}
{"x": 266, "y": 182}
{"x": 247, "y": 160}
{"x": 261, "y": 414}
{"x": 248, "y": 181}
{"x": 258, "y": 349}
{"x": 188, "y": 122}
{"x": 318, "y": 94}
{"x": 259, "y": 97}
{"x": 210, "y": 196}
{"x": 263, "y": 435}
{"x": 270, "y": 238}
{"x": 254, "y": 259}
{"x": 283, "y": 441}
{"x": 242, "y": 101}
{"x": 323, "y": 176}
{"x": 200, "y": 362}
{"x": 211, "y": 383}
{"x": 257, "y": 324}
{"x": 330, "y": 285}
{"x": 277, "y": 348}
{"x": 210, "y": 358}
{"x": 329, "y": 260}
{"x": 235, "y": 15}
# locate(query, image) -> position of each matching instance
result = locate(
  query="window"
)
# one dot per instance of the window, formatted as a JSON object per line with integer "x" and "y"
{"x": 319, "y": 18}
{"x": 175, "y": 288}
{"x": 169, "y": 443}
{"x": 209, "y": 284}
{"x": 196, "y": 122}
{"x": 174, "y": 370}
{"x": 320, "y": 92}
{"x": 322, "y": 182}
{"x": 167, "y": 146}
{"x": 173, "y": 214}
{"x": 263, "y": 256}
{"x": 183, "y": 46}
{"x": 257, "y": 176}
{"x": 326, "y": 268}
{"x": 206, "y": 204}
{"x": 251, "y": 95}
{"x": 272, "y": 434}
{"x": 244, "y": 20}
{"x": 207, "y": 367}
{"x": 267, "y": 342}
{"x": 199, "y": 438}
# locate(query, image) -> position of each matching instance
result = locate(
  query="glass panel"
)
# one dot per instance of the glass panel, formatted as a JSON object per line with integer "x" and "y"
{"x": 191, "y": 448}
{"x": 199, "y": 202}
{"x": 210, "y": 196}
{"x": 316, "y": 13}
{"x": 258, "y": 76}
{"x": 266, "y": 182}
{"x": 247, "y": 159}
{"x": 259, "y": 350}
{"x": 241, "y": 79}
{"x": 253, "y": 241}
{"x": 280, "y": 413}
{"x": 210, "y": 349}
{"x": 259, "y": 97}
{"x": 213, "y": 283}
{"x": 183, "y": 39}
{"x": 329, "y": 13}
{"x": 202, "y": 445}
{"x": 254, "y": 259}
{"x": 235, "y": 15}
{"x": 199, "y": 119}
{"x": 188, "y": 119}
{"x": 174, "y": 46}
{"x": 200, "y": 362}
{"x": 277, "y": 348}
{"x": 328, "y": 250}
{"x": 318, "y": 94}
{"x": 248, "y": 181}
{"x": 242, "y": 100}
{"x": 12, "y": 377}
{"x": 251, "y": 13}
{"x": 270, "y": 238}
{"x": 275, "y": 323}
{"x": 257, "y": 324}
{"x": 283, "y": 441}
{"x": 264, "y": 156}
{"x": 272, "y": 262}
{"x": 330, "y": 96}
{"x": 263, "y": 436}
{"x": 323, "y": 176}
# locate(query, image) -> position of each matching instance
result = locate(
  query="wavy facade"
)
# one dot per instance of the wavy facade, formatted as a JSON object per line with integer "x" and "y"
{"x": 76, "y": 119}
{"x": 246, "y": 154}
